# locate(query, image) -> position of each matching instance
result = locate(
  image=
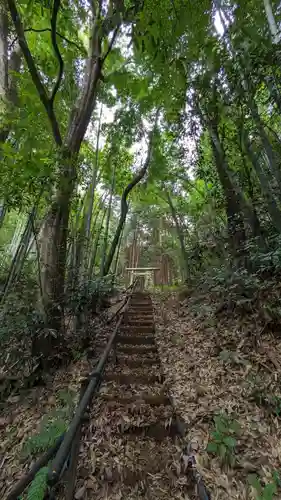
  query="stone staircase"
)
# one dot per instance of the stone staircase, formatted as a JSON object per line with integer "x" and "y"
{"x": 132, "y": 446}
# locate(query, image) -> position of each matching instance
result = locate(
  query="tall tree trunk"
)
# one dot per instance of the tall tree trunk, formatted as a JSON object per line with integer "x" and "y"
{"x": 236, "y": 230}
{"x": 273, "y": 209}
{"x": 9, "y": 67}
{"x": 55, "y": 232}
{"x": 3, "y": 55}
{"x": 19, "y": 256}
{"x": 115, "y": 267}
{"x": 105, "y": 239}
{"x": 270, "y": 154}
{"x": 96, "y": 244}
{"x": 89, "y": 214}
{"x": 73, "y": 248}
{"x": 3, "y": 210}
{"x": 271, "y": 21}
{"x": 180, "y": 234}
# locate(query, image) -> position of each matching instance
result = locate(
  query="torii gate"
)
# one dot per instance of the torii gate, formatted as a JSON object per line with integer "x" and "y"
{"x": 141, "y": 271}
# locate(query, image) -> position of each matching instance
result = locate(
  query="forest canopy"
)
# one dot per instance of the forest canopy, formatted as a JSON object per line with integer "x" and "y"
{"x": 136, "y": 133}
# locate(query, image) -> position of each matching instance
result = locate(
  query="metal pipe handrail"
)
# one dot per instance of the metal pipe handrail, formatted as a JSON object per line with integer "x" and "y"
{"x": 25, "y": 480}
{"x": 94, "y": 384}
{"x": 92, "y": 389}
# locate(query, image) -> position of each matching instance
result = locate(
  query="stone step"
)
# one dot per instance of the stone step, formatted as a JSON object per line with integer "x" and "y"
{"x": 126, "y": 379}
{"x": 136, "y": 340}
{"x": 141, "y": 308}
{"x": 149, "y": 399}
{"x": 154, "y": 422}
{"x": 129, "y": 464}
{"x": 157, "y": 431}
{"x": 138, "y": 317}
{"x": 137, "y": 413}
{"x": 140, "y": 311}
{"x": 132, "y": 390}
{"x": 138, "y": 321}
{"x": 128, "y": 332}
{"x": 161, "y": 486}
{"x": 135, "y": 363}
{"x": 136, "y": 349}
{"x": 140, "y": 303}
{"x": 126, "y": 370}
{"x": 137, "y": 328}
{"x": 137, "y": 301}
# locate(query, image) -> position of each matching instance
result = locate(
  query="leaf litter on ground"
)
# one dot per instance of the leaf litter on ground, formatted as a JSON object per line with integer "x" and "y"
{"x": 214, "y": 368}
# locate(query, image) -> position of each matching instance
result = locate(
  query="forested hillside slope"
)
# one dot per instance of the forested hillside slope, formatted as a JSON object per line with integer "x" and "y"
{"x": 143, "y": 133}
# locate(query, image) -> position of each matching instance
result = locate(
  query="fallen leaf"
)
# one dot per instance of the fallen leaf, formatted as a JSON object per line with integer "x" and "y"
{"x": 80, "y": 493}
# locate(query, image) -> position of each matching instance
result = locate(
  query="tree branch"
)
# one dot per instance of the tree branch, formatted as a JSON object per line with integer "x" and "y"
{"x": 111, "y": 43}
{"x": 33, "y": 71}
{"x": 79, "y": 47}
{"x": 56, "y": 50}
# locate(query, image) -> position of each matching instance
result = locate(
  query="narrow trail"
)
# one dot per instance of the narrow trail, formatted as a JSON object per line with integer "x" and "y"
{"x": 131, "y": 446}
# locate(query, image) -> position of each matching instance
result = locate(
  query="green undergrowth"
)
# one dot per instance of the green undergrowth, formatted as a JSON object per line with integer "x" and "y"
{"x": 37, "y": 489}
{"x": 52, "y": 425}
{"x": 223, "y": 440}
{"x": 265, "y": 491}
{"x": 227, "y": 286}
{"x": 223, "y": 444}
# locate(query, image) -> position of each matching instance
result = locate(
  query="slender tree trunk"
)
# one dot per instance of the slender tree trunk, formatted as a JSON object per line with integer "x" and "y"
{"x": 53, "y": 256}
{"x": 236, "y": 230}
{"x": 105, "y": 239}
{"x": 237, "y": 207}
{"x": 124, "y": 204}
{"x": 180, "y": 236}
{"x": 274, "y": 93}
{"x": 273, "y": 209}
{"x": 3, "y": 55}
{"x": 115, "y": 267}
{"x": 19, "y": 256}
{"x": 271, "y": 21}
{"x": 271, "y": 156}
{"x": 3, "y": 210}
{"x": 89, "y": 215}
{"x": 96, "y": 244}
{"x": 73, "y": 250}
{"x": 53, "y": 252}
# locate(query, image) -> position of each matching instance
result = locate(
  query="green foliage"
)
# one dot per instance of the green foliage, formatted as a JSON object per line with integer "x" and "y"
{"x": 224, "y": 438}
{"x": 213, "y": 91}
{"x": 49, "y": 432}
{"x": 267, "y": 491}
{"x": 52, "y": 426}
{"x": 260, "y": 393}
{"x": 97, "y": 287}
{"x": 37, "y": 489}
{"x": 19, "y": 314}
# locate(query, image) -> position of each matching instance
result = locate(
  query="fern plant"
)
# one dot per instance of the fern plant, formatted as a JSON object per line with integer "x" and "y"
{"x": 50, "y": 431}
{"x": 52, "y": 426}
